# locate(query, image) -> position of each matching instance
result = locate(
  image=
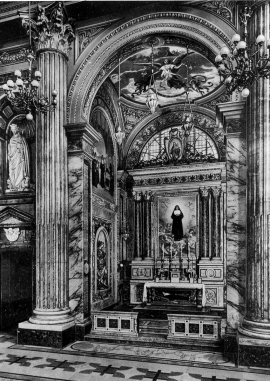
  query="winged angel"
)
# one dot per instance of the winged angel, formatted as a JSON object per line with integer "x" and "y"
{"x": 169, "y": 72}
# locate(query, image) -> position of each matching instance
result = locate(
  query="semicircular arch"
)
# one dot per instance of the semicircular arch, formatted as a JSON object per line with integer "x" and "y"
{"x": 124, "y": 39}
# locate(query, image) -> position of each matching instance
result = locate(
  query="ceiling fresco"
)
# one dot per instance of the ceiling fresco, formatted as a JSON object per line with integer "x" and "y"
{"x": 175, "y": 73}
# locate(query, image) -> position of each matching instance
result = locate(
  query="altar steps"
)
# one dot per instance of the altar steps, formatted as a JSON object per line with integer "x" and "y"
{"x": 158, "y": 340}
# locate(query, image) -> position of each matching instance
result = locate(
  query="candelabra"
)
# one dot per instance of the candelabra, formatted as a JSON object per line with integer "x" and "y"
{"x": 23, "y": 93}
{"x": 239, "y": 67}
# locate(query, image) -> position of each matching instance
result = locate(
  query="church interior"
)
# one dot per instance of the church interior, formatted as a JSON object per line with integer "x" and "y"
{"x": 135, "y": 190}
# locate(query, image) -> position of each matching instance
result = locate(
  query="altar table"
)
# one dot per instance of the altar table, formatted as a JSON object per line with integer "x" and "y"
{"x": 180, "y": 286}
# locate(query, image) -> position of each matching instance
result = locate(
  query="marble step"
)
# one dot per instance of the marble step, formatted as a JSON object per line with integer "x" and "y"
{"x": 158, "y": 340}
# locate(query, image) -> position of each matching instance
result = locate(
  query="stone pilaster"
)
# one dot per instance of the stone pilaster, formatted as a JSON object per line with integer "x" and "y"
{"x": 205, "y": 223}
{"x": 147, "y": 202}
{"x": 216, "y": 192}
{"x": 51, "y": 318}
{"x": 138, "y": 225}
{"x": 81, "y": 139}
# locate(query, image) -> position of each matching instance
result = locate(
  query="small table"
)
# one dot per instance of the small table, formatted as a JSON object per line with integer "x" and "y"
{"x": 200, "y": 287}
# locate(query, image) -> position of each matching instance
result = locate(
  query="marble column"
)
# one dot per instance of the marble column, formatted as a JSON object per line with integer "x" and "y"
{"x": 216, "y": 192}
{"x": 51, "y": 323}
{"x": 254, "y": 337}
{"x": 137, "y": 226}
{"x": 205, "y": 223}
{"x": 147, "y": 202}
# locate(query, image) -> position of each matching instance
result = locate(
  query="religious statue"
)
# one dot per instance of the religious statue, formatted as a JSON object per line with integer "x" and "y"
{"x": 102, "y": 272}
{"x": 177, "y": 226}
{"x": 18, "y": 159}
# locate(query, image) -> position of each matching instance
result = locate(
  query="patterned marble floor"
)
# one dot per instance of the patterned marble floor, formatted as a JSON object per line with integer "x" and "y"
{"x": 85, "y": 361}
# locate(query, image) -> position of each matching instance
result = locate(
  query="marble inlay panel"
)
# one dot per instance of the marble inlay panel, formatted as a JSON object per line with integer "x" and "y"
{"x": 236, "y": 229}
{"x": 75, "y": 186}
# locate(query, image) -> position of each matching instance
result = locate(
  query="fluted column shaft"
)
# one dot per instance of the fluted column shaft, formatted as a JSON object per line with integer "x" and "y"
{"x": 52, "y": 196}
{"x": 137, "y": 243}
{"x": 205, "y": 222}
{"x": 257, "y": 320}
{"x": 147, "y": 224}
{"x": 216, "y": 223}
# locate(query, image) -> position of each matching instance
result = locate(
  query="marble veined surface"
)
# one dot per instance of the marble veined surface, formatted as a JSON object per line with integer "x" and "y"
{"x": 236, "y": 229}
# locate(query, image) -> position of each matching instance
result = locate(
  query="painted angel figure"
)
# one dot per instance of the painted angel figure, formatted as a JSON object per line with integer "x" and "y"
{"x": 169, "y": 74}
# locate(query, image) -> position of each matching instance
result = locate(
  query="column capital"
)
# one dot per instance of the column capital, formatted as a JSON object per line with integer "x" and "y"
{"x": 216, "y": 192}
{"x": 205, "y": 192}
{"x": 51, "y": 29}
{"x": 137, "y": 196}
{"x": 147, "y": 195}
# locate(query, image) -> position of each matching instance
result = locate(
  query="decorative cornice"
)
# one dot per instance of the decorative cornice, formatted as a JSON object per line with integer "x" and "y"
{"x": 143, "y": 31}
{"x": 177, "y": 179}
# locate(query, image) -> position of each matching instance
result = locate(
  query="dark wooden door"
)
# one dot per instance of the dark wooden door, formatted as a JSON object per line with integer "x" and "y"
{"x": 16, "y": 287}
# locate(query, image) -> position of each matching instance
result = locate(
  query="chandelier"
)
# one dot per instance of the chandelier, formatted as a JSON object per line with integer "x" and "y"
{"x": 238, "y": 67}
{"x": 23, "y": 93}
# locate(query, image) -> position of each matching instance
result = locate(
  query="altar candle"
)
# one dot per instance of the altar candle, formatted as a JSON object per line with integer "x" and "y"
{"x": 171, "y": 250}
{"x": 163, "y": 250}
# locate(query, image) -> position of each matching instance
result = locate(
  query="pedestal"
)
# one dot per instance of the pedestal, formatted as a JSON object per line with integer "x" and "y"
{"x": 253, "y": 352}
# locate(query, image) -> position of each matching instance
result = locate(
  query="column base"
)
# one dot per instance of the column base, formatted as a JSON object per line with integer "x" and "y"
{"x": 253, "y": 352}
{"x": 47, "y": 317}
{"x": 258, "y": 330}
{"x": 82, "y": 329}
{"x": 41, "y": 335}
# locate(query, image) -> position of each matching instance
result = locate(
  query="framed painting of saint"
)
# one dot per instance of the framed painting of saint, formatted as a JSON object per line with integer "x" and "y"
{"x": 177, "y": 217}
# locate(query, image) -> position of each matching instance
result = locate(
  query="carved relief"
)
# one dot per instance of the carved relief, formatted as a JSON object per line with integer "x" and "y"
{"x": 178, "y": 179}
{"x": 88, "y": 35}
{"x": 211, "y": 295}
{"x": 12, "y": 234}
{"x": 223, "y": 8}
{"x": 14, "y": 56}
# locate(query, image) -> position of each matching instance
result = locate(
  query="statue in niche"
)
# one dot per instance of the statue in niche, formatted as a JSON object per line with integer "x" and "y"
{"x": 177, "y": 226}
{"x": 102, "y": 271}
{"x": 18, "y": 159}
